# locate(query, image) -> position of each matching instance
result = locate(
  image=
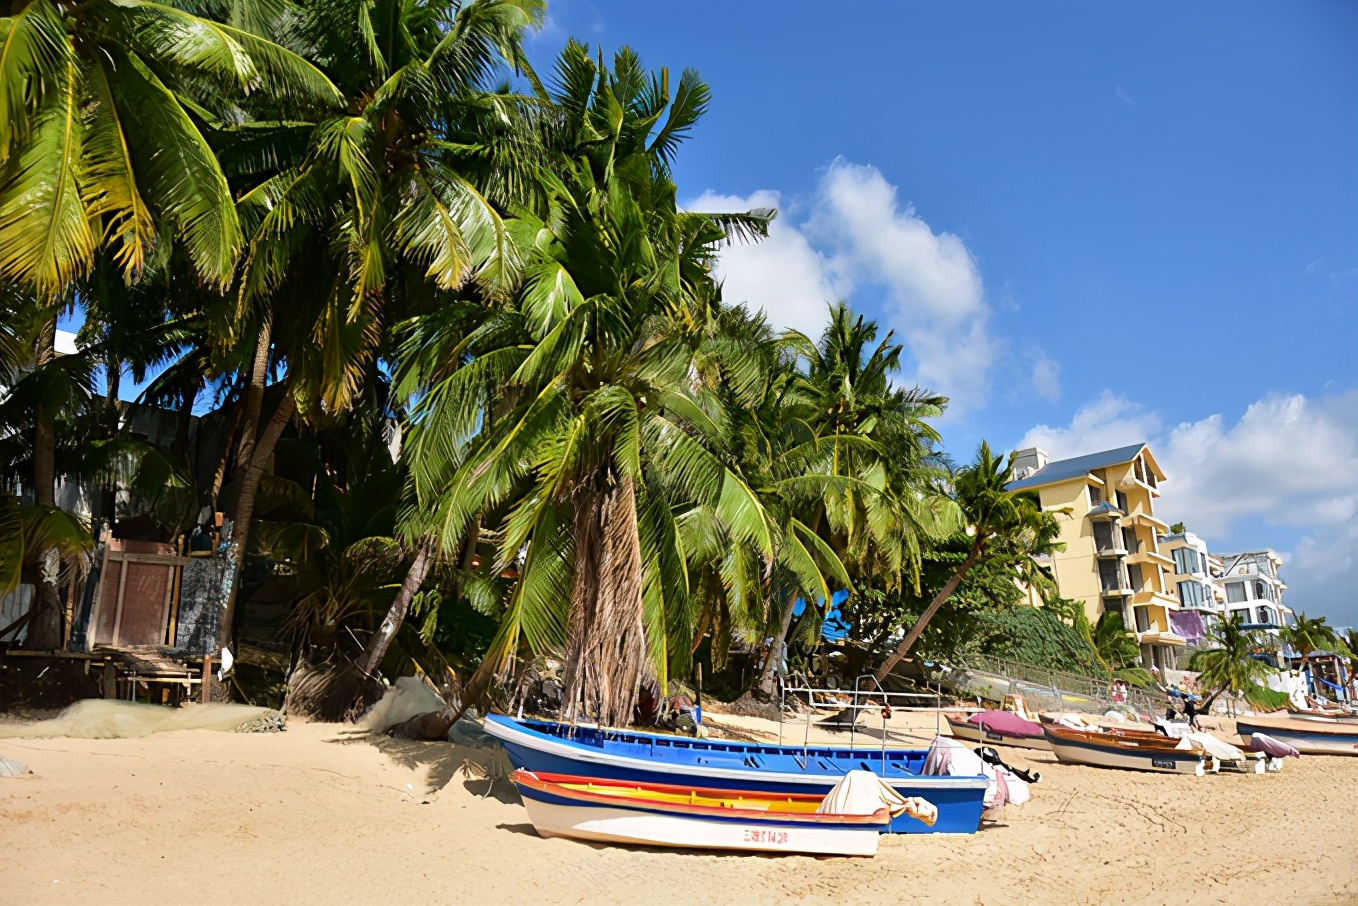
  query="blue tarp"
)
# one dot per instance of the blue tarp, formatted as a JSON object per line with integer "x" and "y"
{"x": 834, "y": 628}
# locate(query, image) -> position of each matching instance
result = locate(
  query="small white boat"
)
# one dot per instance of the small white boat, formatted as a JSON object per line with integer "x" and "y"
{"x": 647, "y": 814}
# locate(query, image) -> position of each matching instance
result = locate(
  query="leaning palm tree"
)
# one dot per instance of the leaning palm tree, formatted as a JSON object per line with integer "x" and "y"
{"x": 1228, "y": 662}
{"x": 872, "y": 452}
{"x": 1013, "y": 526}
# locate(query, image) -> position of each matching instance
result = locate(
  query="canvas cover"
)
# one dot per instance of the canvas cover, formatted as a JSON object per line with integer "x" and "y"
{"x": 863, "y": 793}
{"x": 1007, "y": 723}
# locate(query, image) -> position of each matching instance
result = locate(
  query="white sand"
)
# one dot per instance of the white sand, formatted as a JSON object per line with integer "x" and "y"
{"x": 321, "y": 814}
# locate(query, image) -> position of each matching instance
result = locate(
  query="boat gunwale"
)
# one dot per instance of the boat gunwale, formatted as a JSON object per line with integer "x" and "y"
{"x": 512, "y": 732}
{"x": 1079, "y": 739}
{"x": 557, "y": 786}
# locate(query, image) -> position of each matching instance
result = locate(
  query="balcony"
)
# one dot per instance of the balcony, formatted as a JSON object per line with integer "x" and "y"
{"x": 1105, "y": 510}
{"x": 1109, "y": 552}
{"x": 1138, "y": 516}
{"x": 1150, "y": 558}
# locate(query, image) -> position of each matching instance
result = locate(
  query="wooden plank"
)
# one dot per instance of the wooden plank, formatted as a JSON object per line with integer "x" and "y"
{"x": 108, "y": 680}
{"x": 118, "y": 607}
{"x": 92, "y": 630}
{"x": 205, "y": 691}
{"x": 173, "y": 635}
{"x": 165, "y": 559}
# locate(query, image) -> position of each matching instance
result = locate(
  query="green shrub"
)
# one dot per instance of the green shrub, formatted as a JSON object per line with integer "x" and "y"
{"x": 1034, "y": 635}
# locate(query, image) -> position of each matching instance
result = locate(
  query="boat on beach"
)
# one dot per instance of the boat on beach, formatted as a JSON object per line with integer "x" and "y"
{"x": 1002, "y": 728}
{"x": 1131, "y": 750}
{"x": 673, "y": 815}
{"x": 549, "y": 747}
{"x": 1307, "y": 735}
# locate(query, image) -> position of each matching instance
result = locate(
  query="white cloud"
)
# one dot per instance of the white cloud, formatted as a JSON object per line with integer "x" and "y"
{"x": 1286, "y": 470}
{"x": 781, "y": 275}
{"x": 1289, "y": 461}
{"x": 857, "y": 236}
{"x": 1108, "y": 422}
{"x": 1046, "y": 377}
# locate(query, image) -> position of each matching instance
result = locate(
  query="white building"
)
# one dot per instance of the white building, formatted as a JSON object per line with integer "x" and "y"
{"x": 1193, "y": 581}
{"x": 1254, "y": 590}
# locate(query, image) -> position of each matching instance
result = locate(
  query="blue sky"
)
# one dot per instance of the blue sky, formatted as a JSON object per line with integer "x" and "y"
{"x": 1092, "y": 224}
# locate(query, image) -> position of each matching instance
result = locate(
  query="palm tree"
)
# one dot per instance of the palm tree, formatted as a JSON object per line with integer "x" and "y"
{"x": 997, "y": 521}
{"x": 866, "y": 454}
{"x": 588, "y": 418}
{"x": 1309, "y": 635}
{"x": 100, "y": 143}
{"x": 1227, "y": 662}
{"x": 365, "y": 214}
{"x": 1116, "y": 649}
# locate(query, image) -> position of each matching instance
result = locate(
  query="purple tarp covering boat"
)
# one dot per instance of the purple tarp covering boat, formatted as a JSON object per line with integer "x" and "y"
{"x": 1007, "y": 723}
{"x": 1274, "y": 748}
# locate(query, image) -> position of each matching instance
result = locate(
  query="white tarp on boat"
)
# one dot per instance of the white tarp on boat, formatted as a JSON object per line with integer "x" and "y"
{"x": 863, "y": 793}
{"x": 949, "y": 758}
{"x": 1206, "y": 742}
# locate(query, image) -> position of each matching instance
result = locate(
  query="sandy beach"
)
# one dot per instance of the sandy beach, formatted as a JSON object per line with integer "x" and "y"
{"x": 326, "y": 814}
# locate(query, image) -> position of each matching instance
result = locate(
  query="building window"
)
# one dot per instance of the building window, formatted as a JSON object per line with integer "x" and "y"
{"x": 1095, "y": 496}
{"x": 1122, "y": 501}
{"x": 1129, "y": 541}
{"x": 1202, "y": 563}
{"x": 1108, "y": 575}
{"x": 1261, "y": 592}
{"x": 1191, "y": 594}
{"x": 1265, "y": 616}
{"x": 1134, "y": 574}
{"x": 1143, "y": 620}
{"x": 1103, "y": 536}
{"x": 1185, "y": 560}
{"x": 1235, "y": 592}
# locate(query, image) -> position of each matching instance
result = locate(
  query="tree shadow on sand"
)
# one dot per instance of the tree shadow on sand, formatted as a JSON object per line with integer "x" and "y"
{"x": 484, "y": 771}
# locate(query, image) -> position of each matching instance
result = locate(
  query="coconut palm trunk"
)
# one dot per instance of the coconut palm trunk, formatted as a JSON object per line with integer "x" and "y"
{"x": 922, "y": 623}
{"x": 380, "y": 641}
{"x": 44, "y": 628}
{"x": 606, "y": 650}
{"x": 765, "y": 683}
{"x": 244, "y": 507}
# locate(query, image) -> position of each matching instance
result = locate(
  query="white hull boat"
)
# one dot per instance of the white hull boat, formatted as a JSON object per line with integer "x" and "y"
{"x": 622, "y": 825}
{"x": 1128, "y": 753}
{"x": 847, "y": 822}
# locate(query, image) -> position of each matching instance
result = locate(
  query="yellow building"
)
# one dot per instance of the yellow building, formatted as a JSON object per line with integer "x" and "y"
{"x": 1112, "y": 560}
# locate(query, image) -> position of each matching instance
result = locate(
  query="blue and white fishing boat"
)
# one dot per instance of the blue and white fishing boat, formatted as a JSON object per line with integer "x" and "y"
{"x": 547, "y": 747}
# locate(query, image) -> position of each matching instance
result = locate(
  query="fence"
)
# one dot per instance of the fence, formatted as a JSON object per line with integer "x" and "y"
{"x": 1053, "y": 689}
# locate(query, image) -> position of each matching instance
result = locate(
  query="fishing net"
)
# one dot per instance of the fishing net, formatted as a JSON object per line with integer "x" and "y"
{"x": 109, "y": 719}
{"x": 408, "y": 697}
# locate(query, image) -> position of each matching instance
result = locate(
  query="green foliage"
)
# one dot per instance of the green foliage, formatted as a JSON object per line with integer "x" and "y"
{"x": 1310, "y": 634}
{"x": 1266, "y": 699}
{"x": 1177, "y": 529}
{"x": 1228, "y": 663}
{"x": 1036, "y": 635}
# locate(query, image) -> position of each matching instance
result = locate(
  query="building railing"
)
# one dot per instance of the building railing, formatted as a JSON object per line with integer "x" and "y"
{"x": 1095, "y": 691}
